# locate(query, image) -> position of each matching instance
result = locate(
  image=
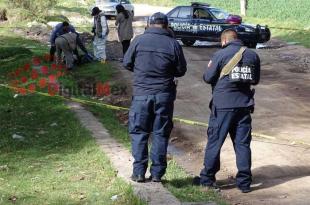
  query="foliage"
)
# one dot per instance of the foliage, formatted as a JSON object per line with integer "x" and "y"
{"x": 3, "y": 14}
{"x": 33, "y": 8}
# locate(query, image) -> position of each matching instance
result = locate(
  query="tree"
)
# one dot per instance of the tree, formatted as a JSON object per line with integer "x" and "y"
{"x": 3, "y": 15}
{"x": 243, "y": 7}
{"x": 35, "y": 8}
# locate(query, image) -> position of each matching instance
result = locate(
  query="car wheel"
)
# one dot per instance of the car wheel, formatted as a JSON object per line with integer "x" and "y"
{"x": 251, "y": 44}
{"x": 188, "y": 42}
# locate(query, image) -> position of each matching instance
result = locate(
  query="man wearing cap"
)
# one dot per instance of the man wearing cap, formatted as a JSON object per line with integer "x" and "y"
{"x": 231, "y": 72}
{"x": 60, "y": 29}
{"x": 101, "y": 31}
{"x": 155, "y": 58}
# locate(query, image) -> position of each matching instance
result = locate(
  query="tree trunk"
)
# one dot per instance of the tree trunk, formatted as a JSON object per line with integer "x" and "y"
{"x": 243, "y": 7}
{"x": 3, "y": 15}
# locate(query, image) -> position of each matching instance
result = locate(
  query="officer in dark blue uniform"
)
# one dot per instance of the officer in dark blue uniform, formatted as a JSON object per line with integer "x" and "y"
{"x": 156, "y": 59}
{"x": 231, "y": 106}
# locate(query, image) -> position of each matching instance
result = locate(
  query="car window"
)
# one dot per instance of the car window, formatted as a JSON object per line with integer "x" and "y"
{"x": 200, "y": 13}
{"x": 106, "y": 1}
{"x": 125, "y": 2}
{"x": 185, "y": 12}
{"x": 175, "y": 13}
{"x": 219, "y": 13}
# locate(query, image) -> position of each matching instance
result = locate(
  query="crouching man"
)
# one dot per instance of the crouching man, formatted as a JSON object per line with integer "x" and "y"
{"x": 68, "y": 44}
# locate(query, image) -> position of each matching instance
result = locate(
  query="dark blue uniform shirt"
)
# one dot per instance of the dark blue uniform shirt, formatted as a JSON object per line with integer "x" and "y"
{"x": 156, "y": 59}
{"x": 228, "y": 94}
{"x": 58, "y": 31}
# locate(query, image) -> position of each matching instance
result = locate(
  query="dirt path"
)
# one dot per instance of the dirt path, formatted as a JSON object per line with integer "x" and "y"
{"x": 281, "y": 172}
{"x": 281, "y": 167}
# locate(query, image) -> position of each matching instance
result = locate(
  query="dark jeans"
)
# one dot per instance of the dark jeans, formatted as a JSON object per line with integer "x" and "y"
{"x": 52, "y": 53}
{"x": 125, "y": 44}
{"x": 151, "y": 114}
{"x": 236, "y": 122}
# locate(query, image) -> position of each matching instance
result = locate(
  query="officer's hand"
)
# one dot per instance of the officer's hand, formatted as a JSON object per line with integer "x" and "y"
{"x": 100, "y": 35}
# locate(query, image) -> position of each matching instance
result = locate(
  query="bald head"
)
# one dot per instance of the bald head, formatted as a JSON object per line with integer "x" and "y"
{"x": 228, "y": 35}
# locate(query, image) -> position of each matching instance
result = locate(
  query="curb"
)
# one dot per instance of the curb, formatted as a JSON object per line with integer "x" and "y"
{"x": 121, "y": 159}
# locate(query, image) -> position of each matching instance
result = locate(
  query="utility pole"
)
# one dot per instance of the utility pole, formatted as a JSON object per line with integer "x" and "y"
{"x": 243, "y": 7}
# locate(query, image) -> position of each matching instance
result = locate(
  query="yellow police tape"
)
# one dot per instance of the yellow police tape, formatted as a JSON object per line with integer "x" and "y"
{"x": 118, "y": 108}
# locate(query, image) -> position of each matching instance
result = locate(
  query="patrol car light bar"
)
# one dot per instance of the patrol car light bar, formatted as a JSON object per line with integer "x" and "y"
{"x": 200, "y": 4}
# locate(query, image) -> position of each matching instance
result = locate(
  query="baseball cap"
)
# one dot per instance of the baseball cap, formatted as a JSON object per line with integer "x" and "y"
{"x": 158, "y": 18}
{"x": 95, "y": 11}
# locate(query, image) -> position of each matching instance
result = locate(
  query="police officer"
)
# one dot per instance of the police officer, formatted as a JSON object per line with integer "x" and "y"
{"x": 68, "y": 43}
{"x": 60, "y": 29}
{"x": 231, "y": 106}
{"x": 156, "y": 59}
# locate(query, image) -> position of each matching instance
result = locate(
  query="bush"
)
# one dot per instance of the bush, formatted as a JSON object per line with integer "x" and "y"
{"x": 34, "y": 8}
{"x": 6, "y": 52}
{"x": 3, "y": 15}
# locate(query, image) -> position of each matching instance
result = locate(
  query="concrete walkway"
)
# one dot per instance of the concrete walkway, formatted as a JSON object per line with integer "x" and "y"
{"x": 121, "y": 159}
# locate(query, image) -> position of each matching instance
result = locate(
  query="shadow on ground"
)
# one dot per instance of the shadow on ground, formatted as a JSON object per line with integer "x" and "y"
{"x": 264, "y": 177}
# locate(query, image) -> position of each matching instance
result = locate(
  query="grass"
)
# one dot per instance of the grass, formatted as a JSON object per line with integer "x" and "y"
{"x": 279, "y": 30}
{"x": 52, "y": 165}
{"x": 46, "y": 156}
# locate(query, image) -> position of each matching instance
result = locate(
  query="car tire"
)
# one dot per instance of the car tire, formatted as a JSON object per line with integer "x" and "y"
{"x": 188, "y": 42}
{"x": 251, "y": 44}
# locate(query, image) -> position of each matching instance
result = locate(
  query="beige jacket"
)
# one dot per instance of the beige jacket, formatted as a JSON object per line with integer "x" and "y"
{"x": 124, "y": 27}
{"x": 70, "y": 39}
{"x": 101, "y": 25}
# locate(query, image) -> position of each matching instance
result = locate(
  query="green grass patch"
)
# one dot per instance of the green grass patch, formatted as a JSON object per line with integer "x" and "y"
{"x": 46, "y": 156}
{"x": 59, "y": 18}
{"x": 109, "y": 120}
{"x": 288, "y": 32}
{"x": 56, "y": 161}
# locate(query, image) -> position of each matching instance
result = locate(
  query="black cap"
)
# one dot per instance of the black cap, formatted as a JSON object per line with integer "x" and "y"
{"x": 95, "y": 11}
{"x": 158, "y": 18}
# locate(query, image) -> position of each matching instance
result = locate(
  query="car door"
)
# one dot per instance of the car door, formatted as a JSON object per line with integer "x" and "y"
{"x": 208, "y": 27}
{"x": 219, "y": 19}
{"x": 180, "y": 20}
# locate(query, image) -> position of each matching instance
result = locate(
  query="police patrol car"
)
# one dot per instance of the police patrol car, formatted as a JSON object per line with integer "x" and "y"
{"x": 202, "y": 22}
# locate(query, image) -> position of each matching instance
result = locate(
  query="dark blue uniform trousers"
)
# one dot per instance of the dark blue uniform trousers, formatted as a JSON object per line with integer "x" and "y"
{"x": 236, "y": 122}
{"x": 151, "y": 114}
